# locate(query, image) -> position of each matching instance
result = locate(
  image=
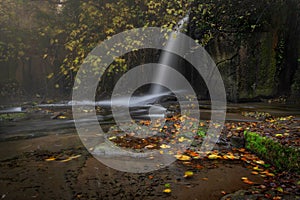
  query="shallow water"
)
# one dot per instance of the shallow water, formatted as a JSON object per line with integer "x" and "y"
{"x": 38, "y": 123}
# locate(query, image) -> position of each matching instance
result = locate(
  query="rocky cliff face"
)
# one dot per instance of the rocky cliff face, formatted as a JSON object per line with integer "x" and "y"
{"x": 262, "y": 62}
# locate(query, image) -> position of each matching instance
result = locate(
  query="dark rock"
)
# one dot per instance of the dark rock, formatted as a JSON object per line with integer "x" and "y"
{"x": 237, "y": 142}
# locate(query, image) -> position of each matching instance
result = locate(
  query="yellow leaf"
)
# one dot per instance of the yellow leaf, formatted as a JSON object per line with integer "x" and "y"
{"x": 181, "y": 139}
{"x": 70, "y": 158}
{"x": 61, "y": 117}
{"x": 183, "y": 157}
{"x": 213, "y": 156}
{"x": 112, "y": 138}
{"x": 239, "y": 128}
{"x": 50, "y": 159}
{"x": 261, "y": 162}
{"x": 168, "y": 190}
{"x": 164, "y": 146}
{"x": 188, "y": 174}
{"x": 256, "y": 168}
{"x": 50, "y": 75}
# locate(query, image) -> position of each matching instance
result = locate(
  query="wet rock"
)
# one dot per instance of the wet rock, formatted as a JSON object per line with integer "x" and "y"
{"x": 242, "y": 195}
{"x": 237, "y": 142}
{"x": 56, "y": 115}
{"x": 222, "y": 141}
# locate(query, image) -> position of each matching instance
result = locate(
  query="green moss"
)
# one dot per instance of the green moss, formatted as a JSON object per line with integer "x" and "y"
{"x": 12, "y": 116}
{"x": 283, "y": 157}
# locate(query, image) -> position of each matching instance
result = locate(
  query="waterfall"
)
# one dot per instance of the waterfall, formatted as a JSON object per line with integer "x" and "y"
{"x": 166, "y": 58}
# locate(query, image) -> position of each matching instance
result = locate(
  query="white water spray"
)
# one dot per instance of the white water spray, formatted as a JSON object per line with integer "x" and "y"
{"x": 166, "y": 58}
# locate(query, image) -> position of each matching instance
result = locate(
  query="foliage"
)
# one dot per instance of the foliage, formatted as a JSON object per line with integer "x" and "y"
{"x": 66, "y": 35}
{"x": 25, "y": 28}
{"x": 99, "y": 20}
{"x": 210, "y": 19}
{"x": 201, "y": 132}
{"x": 96, "y": 21}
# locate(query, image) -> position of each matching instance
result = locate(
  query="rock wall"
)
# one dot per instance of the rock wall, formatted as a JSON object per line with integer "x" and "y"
{"x": 262, "y": 63}
{"x": 23, "y": 80}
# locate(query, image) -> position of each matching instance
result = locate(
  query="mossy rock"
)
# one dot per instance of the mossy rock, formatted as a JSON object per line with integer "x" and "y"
{"x": 12, "y": 116}
{"x": 282, "y": 156}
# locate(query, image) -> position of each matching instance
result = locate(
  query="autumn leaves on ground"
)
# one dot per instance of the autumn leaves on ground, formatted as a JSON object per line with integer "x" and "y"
{"x": 57, "y": 166}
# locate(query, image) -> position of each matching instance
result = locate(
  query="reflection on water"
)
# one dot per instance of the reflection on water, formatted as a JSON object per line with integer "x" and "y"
{"x": 12, "y": 110}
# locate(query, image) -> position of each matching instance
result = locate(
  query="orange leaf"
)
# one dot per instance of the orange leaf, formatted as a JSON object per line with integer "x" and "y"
{"x": 247, "y": 181}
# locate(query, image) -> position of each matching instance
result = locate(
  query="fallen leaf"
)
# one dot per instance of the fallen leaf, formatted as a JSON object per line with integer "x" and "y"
{"x": 164, "y": 146}
{"x": 239, "y": 128}
{"x": 188, "y": 174}
{"x": 279, "y": 189}
{"x": 199, "y": 166}
{"x": 193, "y": 154}
{"x": 150, "y": 146}
{"x": 70, "y": 158}
{"x": 181, "y": 139}
{"x": 256, "y": 168}
{"x": 183, "y": 157}
{"x": 247, "y": 181}
{"x": 270, "y": 174}
{"x": 263, "y": 186}
{"x": 168, "y": 190}
{"x": 230, "y": 156}
{"x": 50, "y": 159}
{"x": 213, "y": 156}
{"x": 112, "y": 138}
{"x": 261, "y": 162}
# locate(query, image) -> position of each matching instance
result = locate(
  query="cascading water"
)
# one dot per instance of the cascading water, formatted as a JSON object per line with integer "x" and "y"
{"x": 166, "y": 58}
